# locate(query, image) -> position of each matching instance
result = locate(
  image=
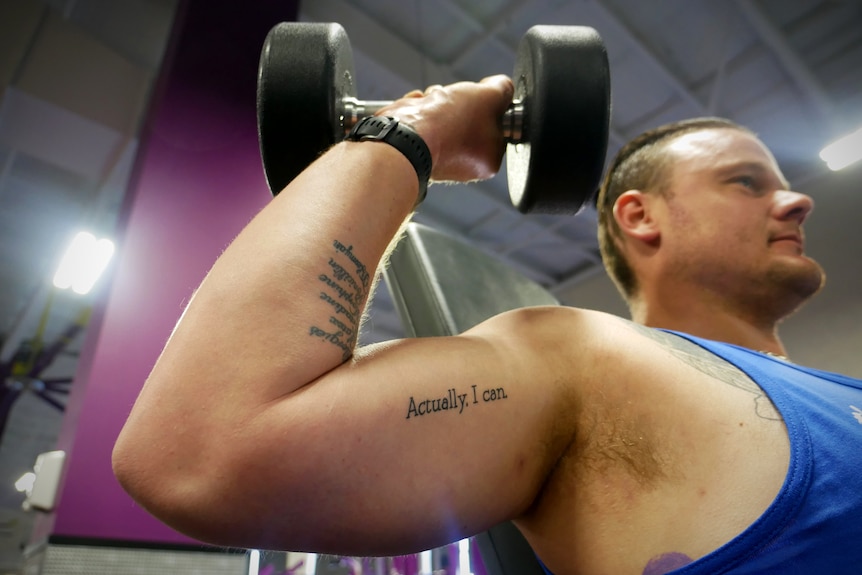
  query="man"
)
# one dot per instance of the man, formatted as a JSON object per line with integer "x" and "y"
{"x": 615, "y": 448}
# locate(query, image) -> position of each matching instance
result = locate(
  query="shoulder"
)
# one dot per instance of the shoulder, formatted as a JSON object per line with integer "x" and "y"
{"x": 605, "y": 363}
{"x": 589, "y": 340}
{"x": 594, "y": 338}
{"x": 557, "y": 328}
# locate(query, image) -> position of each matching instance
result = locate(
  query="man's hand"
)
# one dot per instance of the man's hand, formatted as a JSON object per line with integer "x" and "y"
{"x": 461, "y": 125}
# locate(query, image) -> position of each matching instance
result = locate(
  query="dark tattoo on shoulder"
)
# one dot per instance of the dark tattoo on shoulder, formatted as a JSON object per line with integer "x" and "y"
{"x": 666, "y": 563}
{"x": 346, "y": 282}
{"x": 713, "y": 366}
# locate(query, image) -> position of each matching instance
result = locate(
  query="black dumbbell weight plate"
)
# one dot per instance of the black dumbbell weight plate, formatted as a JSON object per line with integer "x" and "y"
{"x": 561, "y": 75}
{"x": 305, "y": 72}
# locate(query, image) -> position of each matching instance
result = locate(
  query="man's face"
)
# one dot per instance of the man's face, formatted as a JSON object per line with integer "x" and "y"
{"x": 731, "y": 225}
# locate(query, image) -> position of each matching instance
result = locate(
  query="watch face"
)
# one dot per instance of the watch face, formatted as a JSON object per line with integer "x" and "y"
{"x": 372, "y": 128}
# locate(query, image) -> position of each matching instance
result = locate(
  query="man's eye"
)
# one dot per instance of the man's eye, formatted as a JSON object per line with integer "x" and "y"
{"x": 750, "y": 183}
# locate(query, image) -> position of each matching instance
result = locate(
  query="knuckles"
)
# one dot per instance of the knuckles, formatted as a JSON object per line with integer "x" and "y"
{"x": 460, "y": 123}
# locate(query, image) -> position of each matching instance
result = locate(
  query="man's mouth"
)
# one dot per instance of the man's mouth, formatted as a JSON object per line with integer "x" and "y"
{"x": 789, "y": 237}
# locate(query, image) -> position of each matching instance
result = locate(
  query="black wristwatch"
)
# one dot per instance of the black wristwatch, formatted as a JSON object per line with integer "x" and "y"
{"x": 400, "y": 136}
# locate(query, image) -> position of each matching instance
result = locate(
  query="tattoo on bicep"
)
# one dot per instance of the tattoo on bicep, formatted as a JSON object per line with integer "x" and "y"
{"x": 459, "y": 402}
{"x": 346, "y": 283}
{"x": 713, "y": 366}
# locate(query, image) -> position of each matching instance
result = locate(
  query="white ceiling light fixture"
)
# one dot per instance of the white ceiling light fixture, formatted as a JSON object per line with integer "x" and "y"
{"x": 464, "y": 557}
{"x": 843, "y": 152}
{"x": 254, "y": 562}
{"x": 83, "y": 263}
{"x": 426, "y": 563}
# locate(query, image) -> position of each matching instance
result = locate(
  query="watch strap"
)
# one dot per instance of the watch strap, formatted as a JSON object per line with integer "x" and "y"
{"x": 400, "y": 136}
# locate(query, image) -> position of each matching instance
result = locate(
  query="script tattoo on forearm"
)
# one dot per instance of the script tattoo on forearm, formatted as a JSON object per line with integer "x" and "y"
{"x": 345, "y": 284}
{"x": 453, "y": 401}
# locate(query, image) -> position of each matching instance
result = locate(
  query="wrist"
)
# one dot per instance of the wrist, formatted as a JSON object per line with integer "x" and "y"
{"x": 403, "y": 138}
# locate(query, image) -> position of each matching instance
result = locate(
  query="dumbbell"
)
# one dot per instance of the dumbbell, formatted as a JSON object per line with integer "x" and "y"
{"x": 556, "y": 128}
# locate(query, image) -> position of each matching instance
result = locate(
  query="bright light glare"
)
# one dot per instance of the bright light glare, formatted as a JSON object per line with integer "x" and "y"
{"x": 464, "y": 557}
{"x": 253, "y": 562}
{"x": 84, "y": 261}
{"x": 310, "y": 563}
{"x": 425, "y": 566}
{"x": 843, "y": 152}
{"x": 25, "y": 482}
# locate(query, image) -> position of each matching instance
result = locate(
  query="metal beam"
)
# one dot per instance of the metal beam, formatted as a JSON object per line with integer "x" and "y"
{"x": 378, "y": 42}
{"x": 488, "y": 32}
{"x": 7, "y": 169}
{"x": 718, "y": 82}
{"x": 790, "y": 61}
{"x": 495, "y": 213}
{"x": 658, "y": 66}
{"x": 438, "y": 223}
{"x": 532, "y": 238}
{"x": 567, "y": 283}
{"x": 25, "y": 321}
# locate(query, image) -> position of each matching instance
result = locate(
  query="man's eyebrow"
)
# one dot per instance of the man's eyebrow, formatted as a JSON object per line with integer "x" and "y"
{"x": 727, "y": 169}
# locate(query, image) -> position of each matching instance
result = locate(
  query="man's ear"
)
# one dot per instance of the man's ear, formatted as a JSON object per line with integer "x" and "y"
{"x": 634, "y": 213}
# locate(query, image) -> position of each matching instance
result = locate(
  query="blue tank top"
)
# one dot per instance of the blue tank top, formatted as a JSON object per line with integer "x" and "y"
{"x": 814, "y": 525}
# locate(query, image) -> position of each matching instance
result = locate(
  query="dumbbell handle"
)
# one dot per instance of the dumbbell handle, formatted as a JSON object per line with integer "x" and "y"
{"x": 353, "y": 110}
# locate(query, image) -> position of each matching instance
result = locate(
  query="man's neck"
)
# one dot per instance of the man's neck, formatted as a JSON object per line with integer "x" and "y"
{"x": 709, "y": 322}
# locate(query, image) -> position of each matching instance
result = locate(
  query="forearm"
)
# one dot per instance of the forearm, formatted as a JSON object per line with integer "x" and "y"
{"x": 287, "y": 296}
{"x": 282, "y": 305}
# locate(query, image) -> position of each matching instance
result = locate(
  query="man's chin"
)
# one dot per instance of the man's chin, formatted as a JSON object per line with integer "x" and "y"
{"x": 801, "y": 278}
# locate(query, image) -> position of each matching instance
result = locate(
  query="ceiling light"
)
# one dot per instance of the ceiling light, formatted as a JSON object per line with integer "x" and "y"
{"x": 254, "y": 562}
{"x": 310, "y": 563}
{"x": 843, "y": 152}
{"x": 84, "y": 261}
{"x": 464, "y": 557}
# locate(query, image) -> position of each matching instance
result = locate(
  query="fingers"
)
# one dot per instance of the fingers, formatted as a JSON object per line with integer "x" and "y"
{"x": 460, "y": 123}
{"x": 502, "y": 83}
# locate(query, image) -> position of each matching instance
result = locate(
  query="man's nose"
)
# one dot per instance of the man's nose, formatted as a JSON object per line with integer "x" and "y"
{"x": 793, "y": 205}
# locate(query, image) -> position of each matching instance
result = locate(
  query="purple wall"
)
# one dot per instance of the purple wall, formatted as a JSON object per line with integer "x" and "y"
{"x": 198, "y": 181}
